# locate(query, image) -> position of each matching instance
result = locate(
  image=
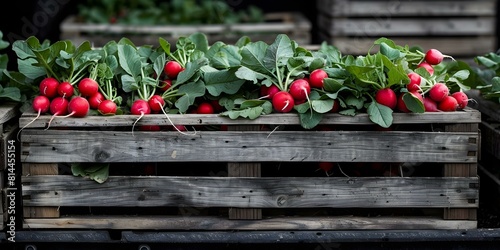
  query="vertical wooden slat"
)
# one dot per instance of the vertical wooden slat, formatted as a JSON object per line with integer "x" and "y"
{"x": 40, "y": 169}
{"x": 244, "y": 170}
{"x": 461, "y": 170}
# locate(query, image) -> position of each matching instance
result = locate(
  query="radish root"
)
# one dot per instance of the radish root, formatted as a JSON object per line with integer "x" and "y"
{"x": 169, "y": 120}
{"x": 29, "y": 123}
{"x": 133, "y": 125}
{"x": 50, "y": 121}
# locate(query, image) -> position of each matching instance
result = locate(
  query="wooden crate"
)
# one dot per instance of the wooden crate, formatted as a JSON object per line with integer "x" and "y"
{"x": 294, "y": 24}
{"x": 257, "y": 175}
{"x": 8, "y": 127}
{"x": 461, "y": 28}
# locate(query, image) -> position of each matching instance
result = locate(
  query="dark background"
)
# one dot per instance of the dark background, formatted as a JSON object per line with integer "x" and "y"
{"x": 41, "y": 18}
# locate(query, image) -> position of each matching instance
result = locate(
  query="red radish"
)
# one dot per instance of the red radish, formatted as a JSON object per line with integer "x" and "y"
{"x": 430, "y": 105}
{"x": 268, "y": 92}
{"x": 433, "y": 56}
{"x": 415, "y": 80}
{"x": 139, "y": 107}
{"x": 216, "y": 105}
{"x": 107, "y": 107}
{"x": 95, "y": 100}
{"x": 165, "y": 84}
{"x": 65, "y": 89}
{"x": 48, "y": 87}
{"x": 88, "y": 87}
{"x": 387, "y": 97}
{"x": 316, "y": 78}
{"x": 156, "y": 103}
{"x": 41, "y": 105}
{"x": 462, "y": 99}
{"x": 325, "y": 165}
{"x": 205, "y": 108}
{"x": 172, "y": 69}
{"x": 58, "y": 107}
{"x": 426, "y": 66}
{"x": 300, "y": 89}
{"x": 439, "y": 91}
{"x": 448, "y": 104}
{"x": 78, "y": 107}
{"x": 150, "y": 128}
{"x": 283, "y": 102}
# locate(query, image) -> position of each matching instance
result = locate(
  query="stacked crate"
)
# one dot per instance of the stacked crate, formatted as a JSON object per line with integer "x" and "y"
{"x": 257, "y": 174}
{"x": 294, "y": 24}
{"x": 458, "y": 28}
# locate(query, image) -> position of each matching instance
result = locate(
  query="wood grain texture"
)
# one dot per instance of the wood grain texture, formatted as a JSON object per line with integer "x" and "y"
{"x": 277, "y": 223}
{"x": 251, "y": 192}
{"x": 50, "y": 210}
{"x": 248, "y": 146}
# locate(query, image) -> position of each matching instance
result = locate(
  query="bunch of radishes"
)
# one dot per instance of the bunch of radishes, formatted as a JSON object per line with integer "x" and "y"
{"x": 435, "y": 96}
{"x": 298, "y": 92}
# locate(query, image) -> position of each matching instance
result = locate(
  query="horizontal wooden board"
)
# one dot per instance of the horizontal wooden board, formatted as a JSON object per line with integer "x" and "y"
{"x": 376, "y": 27}
{"x": 294, "y": 24}
{"x": 248, "y": 146}
{"x": 28, "y": 121}
{"x": 248, "y": 192}
{"x": 464, "y": 47}
{"x": 276, "y": 223}
{"x": 8, "y": 110}
{"x": 423, "y": 8}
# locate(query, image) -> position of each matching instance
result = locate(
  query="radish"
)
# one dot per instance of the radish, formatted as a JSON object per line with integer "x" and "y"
{"x": 41, "y": 105}
{"x": 58, "y": 107}
{"x": 96, "y": 99}
{"x": 462, "y": 99}
{"x": 300, "y": 89}
{"x": 172, "y": 69}
{"x": 326, "y": 166}
{"x": 316, "y": 78}
{"x": 107, "y": 107}
{"x": 88, "y": 87}
{"x": 448, "y": 104}
{"x": 78, "y": 107}
{"x": 65, "y": 89}
{"x": 139, "y": 107}
{"x": 427, "y": 67}
{"x": 268, "y": 92}
{"x": 430, "y": 105}
{"x": 165, "y": 84}
{"x": 439, "y": 91}
{"x": 205, "y": 108}
{"x": 336, "y": 106}
{"x": 48, "y": 87}
{"x": 387, "y": 97}
{"x": 415, "y": 80}
{"x": 156, "y": 103}
{"x": 401, "y": 105}
{"x": 283, "y": 102}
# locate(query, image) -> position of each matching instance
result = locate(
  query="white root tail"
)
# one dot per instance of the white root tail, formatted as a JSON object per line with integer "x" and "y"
{"x": 133, "y": 125}
{"x": 169, "y": 120}
{"x": 29, "y": 123}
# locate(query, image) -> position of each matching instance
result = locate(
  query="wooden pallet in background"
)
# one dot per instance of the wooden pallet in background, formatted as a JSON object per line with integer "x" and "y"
{"x": 458, "y": 28}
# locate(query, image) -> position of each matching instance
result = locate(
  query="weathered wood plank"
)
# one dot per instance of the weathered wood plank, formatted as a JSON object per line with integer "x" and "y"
{"x": 250, "y": 192}
{"x": 463, "y": 26}
{"x": 248, "y": 146}
{"x": 389, "y": 8}
{"x": 111, "y": 122}
{"x": 8, "y": 110}
{"x": 248, "y": 169}
{"x": 487, "y": 107}
{"x": 277, "y": 223}
{"x": 461, "y": 170}
{"x": 490, "y": 138}
{"x": 50, "y": 210}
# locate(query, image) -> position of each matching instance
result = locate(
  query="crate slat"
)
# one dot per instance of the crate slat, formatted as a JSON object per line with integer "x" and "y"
{"x": 217, "y": 223}
{"x": 248, "y": 146}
